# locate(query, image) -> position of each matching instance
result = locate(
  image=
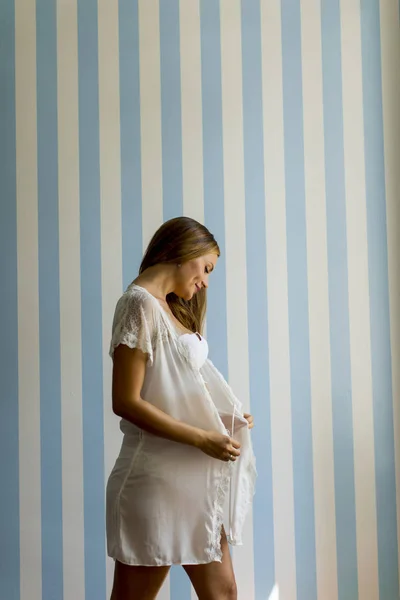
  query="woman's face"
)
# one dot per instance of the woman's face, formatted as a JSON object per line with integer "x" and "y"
{"x": 193, "y": 275}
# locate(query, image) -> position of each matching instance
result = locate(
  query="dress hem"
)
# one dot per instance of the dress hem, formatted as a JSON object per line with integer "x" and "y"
{"x": 161, "y": 564}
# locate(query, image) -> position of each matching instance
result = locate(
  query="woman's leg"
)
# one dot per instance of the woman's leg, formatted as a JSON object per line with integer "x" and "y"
{"x": 214, "y": 581}
{"x": 137, "y": 583}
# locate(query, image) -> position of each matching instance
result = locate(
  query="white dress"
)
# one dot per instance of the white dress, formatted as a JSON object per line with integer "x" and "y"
{"x": 167, "y": 501}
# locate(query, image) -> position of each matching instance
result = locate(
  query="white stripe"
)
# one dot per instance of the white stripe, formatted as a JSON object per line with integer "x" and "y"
{"x": 277, "y": 286}
{"x": 191, "y": 107}
{"x": 70, "y": 301}
{"x": 235, "y": 240}
{"x": 317, "y": 266}
{"x": 359, "y": 310}
{"x": 110, "y": 202}
{"x": 164, "y": 593}
{"x": 150, "y": 125}
{"x": 390, "y": 45}
{"x": 28, "y": 302}
{"x": 192, "y": 115}
{"x": 235, "y": 217}
{"x": 150, "y": 117}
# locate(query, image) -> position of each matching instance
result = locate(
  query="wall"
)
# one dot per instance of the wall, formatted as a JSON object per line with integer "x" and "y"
{"x": 278, "y": 125}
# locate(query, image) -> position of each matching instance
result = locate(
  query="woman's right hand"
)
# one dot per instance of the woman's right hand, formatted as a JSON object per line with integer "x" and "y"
{"x": 220, "y": 446}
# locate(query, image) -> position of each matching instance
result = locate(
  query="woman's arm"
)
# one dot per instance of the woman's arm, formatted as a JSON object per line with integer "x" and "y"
{"x": 128, "y": 376}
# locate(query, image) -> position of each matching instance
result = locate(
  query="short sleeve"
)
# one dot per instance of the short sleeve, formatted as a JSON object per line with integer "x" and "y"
{"x": 134, "y": 324}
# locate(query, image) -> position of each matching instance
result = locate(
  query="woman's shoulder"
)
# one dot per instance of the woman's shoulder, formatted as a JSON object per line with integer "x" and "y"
{"x": 136, "y": 298}
{"x": 137, "y": 309}
{"x": 137, "y": 320}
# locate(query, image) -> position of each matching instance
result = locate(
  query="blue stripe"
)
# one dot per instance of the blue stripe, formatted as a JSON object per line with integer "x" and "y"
{"x": 379, "y": 300}
{"x": 172, "y": 168}
{"x": 131, "y": 177}
{"x": 214, "y": 175}
{"x": 49, "y": 301}
{"x": 338, "y": 303}
{"x": 298, "y": 302}
{"x": 9, "y": 452}
{"x": 92, "y": 367}
{"x": 257, "y": 303}
{"x": 171, "y": 109}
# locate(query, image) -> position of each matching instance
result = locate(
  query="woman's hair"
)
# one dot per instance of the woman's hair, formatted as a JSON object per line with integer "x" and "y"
{"x": 177, "y": 241}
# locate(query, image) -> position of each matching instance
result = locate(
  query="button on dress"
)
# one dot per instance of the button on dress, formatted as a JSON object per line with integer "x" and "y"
{"x": 166, "y": 502}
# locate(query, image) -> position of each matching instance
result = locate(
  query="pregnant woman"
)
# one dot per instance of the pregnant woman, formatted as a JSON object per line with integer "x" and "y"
{"x": 185, "y": 474}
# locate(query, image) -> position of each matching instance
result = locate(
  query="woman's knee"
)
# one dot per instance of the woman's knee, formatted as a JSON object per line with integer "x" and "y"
{"x": 228, "y": 590}
{"x": 137, "y": 582}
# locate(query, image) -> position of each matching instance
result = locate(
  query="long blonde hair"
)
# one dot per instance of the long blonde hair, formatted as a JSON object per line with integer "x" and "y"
{"x": 177, "y": 241}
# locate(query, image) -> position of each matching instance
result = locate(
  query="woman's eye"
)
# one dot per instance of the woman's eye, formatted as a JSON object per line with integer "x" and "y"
{"x": 207, "y": 270}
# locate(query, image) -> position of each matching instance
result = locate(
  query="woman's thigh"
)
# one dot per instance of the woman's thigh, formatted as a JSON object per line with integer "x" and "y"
{"x": 137, "y": 583}
{"x": 216, "y": 580}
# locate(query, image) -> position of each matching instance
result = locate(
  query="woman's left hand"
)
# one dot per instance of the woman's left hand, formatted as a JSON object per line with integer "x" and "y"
{"x": 249, "y": 419}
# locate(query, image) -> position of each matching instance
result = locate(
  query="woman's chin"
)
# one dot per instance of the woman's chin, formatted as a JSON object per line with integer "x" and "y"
{"x": 188, "y": 295}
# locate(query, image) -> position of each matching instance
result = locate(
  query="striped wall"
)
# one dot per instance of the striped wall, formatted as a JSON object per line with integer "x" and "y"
{"x": 278, "y": 125}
